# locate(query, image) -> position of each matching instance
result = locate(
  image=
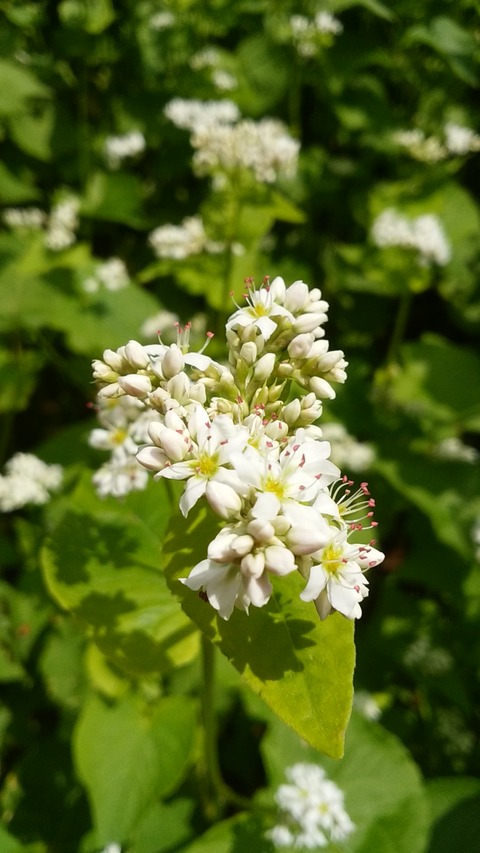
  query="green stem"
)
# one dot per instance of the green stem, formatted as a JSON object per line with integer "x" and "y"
{"x": 399, "y": 327}
{"x": 216, "y": 794}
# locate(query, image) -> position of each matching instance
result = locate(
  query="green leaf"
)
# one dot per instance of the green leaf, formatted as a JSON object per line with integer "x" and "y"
{"x": 115, "y": 198}
{"x": 33, "y": 132}
{"x": 302, "y": 668}
{"x": 17, "y": 86}
{"x": 101, "y": 562}
{"x": 128, "y": 755}
{"x": 455, "y": 804}
{"x": 16, "y": 188}
{"x": 239, "y": 833}
{"x": 18, "y": 373}
{"x": 453, "y": 42}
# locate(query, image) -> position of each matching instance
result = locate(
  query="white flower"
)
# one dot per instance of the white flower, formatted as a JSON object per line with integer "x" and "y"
{"x": 312, "y": 811}
{"x": 346, "y": 451}
{"x": 24, "y": 218}
{"x": 336, "y": 580}
{"x": 259, "y": 312}
{"x": 119, "y": 148}
{"x": 193, "y": 115}
{"x": 325, "y": 22}
{"x": 120, "y": 475}
{"x": 425, "y": 234}
{"x": 223, "y": 80}
{"x": 460, "y": 140}
{"x": 162, "y": 20}
{"x": 179, "y": 241}
{"x": 456, "y": 449}
{"x": 367, "y": 705}
{"x": 62, "y": 224}
{"x": 28, "y": 480}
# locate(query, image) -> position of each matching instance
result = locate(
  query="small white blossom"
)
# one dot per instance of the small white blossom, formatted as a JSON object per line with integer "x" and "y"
{"x": 28, "y": 480}
{"x": 223, "y": 80}
{"x": 312, "y": 810}
{"x": 367, "y": 705}
{"x": 455, "y": 449}
{"x": 348, "y": 453}
{"x": 427, "y": 149}
{"x": 423, "y": 233}
{"x": 112, "y": 275}
{"x": 162, "y": 20}
{"x": 325, "y": 22}
{"x": 120, "y": 148}
{"x": 460, "y": 140}
{"x": 208, "y": 57}
{"x": 27, "y": 218}
{"x": 62, "y": 224}
{"x": 178, "y": 241}
{"x": 194, "y": 115}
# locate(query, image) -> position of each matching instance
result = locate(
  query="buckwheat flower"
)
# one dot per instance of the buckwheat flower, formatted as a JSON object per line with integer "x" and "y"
{"x": 327, "y": 23}
{"x": 311, "y": 810}
{"x": 336, "y": 580}
{"x": 122, "y": 147}
{"x": 194, "y": 115}
{"x": 28, "y": 480}
{"x": 455, "y": 449}
{"x": 367, "y": 705}
{"x": 460, "y": 140}
{"x": 119, "y": 476}
{"x": 179, "y": 241}
{"x": 390, "y": 228}
{"x": 113, "y": 274}
{"x": 223, "y": 80}
{"x": 265, "y": 148}
{"x": 160, "y": 323}
{"x": 203, "y": 463}
{"x": 28, "y": 218}
{"x": 208, "y": 57}
{"x": 62, "y": 224}
{"x": 427, "y": 149}
{"x": 259, "y": 313}
{"x": 162, "y": 20}
{"x": 430, "y": 240}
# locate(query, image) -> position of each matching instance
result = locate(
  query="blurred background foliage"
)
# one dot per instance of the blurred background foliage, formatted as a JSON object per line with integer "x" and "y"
{"x": 98, "y": 725}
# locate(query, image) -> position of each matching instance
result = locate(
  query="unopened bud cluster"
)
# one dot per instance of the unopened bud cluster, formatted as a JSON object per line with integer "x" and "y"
{"x": 242, "y": 436}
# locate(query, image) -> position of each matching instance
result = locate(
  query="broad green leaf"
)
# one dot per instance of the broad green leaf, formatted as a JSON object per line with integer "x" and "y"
{"x": 17, "y": 86}
{"x": 384, "y": 794}
{"x": 18, "y": 373}
{"x": 33, "y": 132}
{"x": 239, "y": 833}
{"x": 164, "y": 827}
{"x": 101, "y": 561}
{"x": 115, "y": 198}
{"x": 130, "y": 754}
{"x": 455, "y": 805}
{"x": 16, "y": 188}
{"x": 302, "y": 668}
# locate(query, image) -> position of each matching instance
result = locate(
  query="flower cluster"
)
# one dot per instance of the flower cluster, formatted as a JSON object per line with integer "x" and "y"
{"x": 424, "y": 234}
{"x": 224, "y": 143}
{"x": 238, "y": 438}
{"x": 111, "y": 275}
{"x": 59, "y": 226}
{"x": 24, "y": 219}
{"x": 28, "y": 480}
{"x": 457, "y": 141}
{"x": 189, "y": 238}
{"x": 312, "y": 810}
{"x": 309, "y": 34}
{"x": 120, "y": 148}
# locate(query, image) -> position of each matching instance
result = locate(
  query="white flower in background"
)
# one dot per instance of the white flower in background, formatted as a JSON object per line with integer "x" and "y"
{"x": 119, "y": 476}
{"x": 460, "y": 140}
{"x": 424, "y": 233}
{"x": 312, "y": 810}
{"x": 159, "y": 324}
{"x": 308, "y": 34}
{"x": 62, "y": 224}
{"x": 28, "y": 480}
{"x": 265, "y": 148}
{"x": 26, "y": 218}
{"x": 194, "y": 115}
{"x": 208, "y": 57}
{"x": 112, "y": 275}
{"x": 179, "y": 241}
{"x": 120, "y": 148}
{"x": 223, "y": 80}
{"x": 112, "y": 848}
{"x": 455, "y": 449}
{"x": 427, "y": 149}
{"x": 325, "y": 22}
{"x": 348, "y": 453}
{"x": 429, "y": 659}
{"x": 367, "y": 705}
{"x": 162, "y": 20}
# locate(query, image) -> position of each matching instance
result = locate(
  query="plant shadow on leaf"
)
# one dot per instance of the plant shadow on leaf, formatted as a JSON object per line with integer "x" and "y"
{"x": 109, "y": 544}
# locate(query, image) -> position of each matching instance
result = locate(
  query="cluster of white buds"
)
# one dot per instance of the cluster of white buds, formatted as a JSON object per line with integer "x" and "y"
{"x": 62, "y": 224}
{"x": 28, "y": 481}
{"x": 458, "y": 141}
{"x": 310, "y": 34}
{"x": 124, "y": 147}
{"x": 111, "y": 275}
{"x": 239, "y": 438}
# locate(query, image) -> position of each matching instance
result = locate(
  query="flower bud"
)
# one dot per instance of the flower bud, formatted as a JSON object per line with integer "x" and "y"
{"x": 306, "y": 540}
{"x": 136, "y": 355}
{"x": 112, "y": 390}
{"x": 102, "y": 372}
{"x": 305, "y": 323}
{"x": 253, "y": 565}
{"x": 179, "y": 387}
{"x": 173, "y": 444}
{"x": 172, "y": 362}
{"x": 278, "y": 289}
{"x": 296, "y": 296}
{"x": 242, "y": 545}
{"x": 291, "y": 412}
{"x": 321, "y": 388}
{"x": 114, "y": 359}
{"x": 262, "y": 531}
{"x": 248, "y": 353}
{"x": 152, "y": 458}
{"x": 224, "y": 501}
{"x": 135, "y": 384}
{"x": 279, "y": 560}
{"x": 301, "y": 345}
{"x": 264, "y": 367}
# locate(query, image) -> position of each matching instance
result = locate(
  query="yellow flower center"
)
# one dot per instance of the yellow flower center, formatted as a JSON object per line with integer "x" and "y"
{"x": 272, "y": 485}
{"x": 206, "y": 465}
{"x": 332, "y": 559}
{"x": 119, "y": 436}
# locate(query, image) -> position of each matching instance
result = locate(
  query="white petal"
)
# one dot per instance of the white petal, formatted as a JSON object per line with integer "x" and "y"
{"x": 194, "y": 490}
